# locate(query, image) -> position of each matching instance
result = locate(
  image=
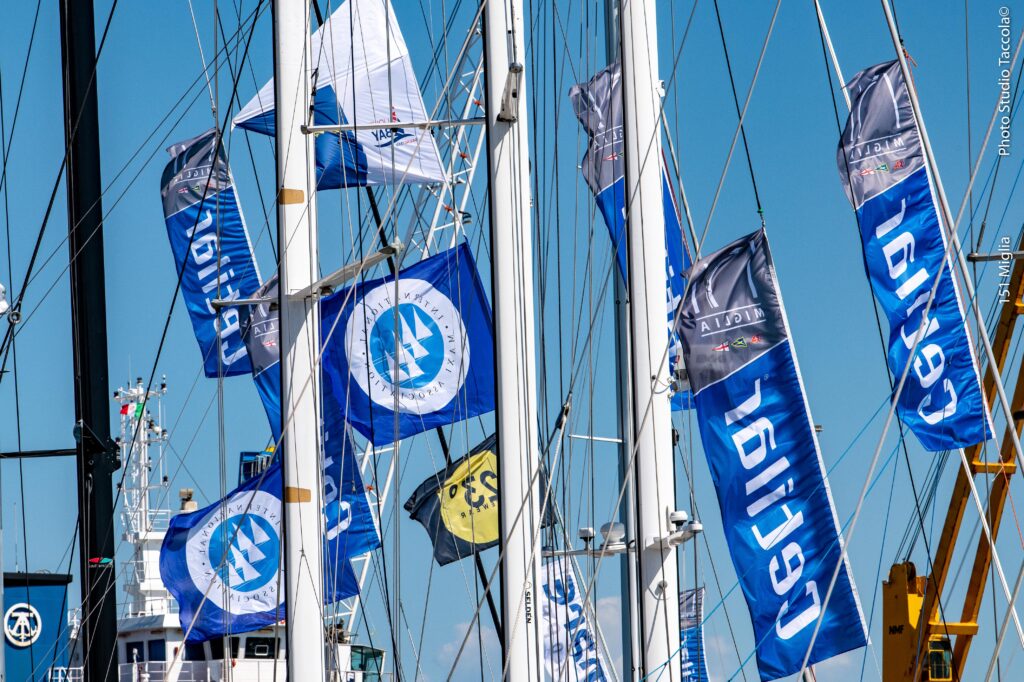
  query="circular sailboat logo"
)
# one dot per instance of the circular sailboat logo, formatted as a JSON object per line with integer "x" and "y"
{"x": 237, "y": 550}
{"x": 416, "y": 349}
{"x": 22, "y": 625}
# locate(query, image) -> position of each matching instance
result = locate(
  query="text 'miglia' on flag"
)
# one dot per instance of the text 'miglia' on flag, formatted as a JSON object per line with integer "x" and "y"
{"x": 417, "y": 352}
{"x": 211, "y": 249}
{"x": 886, "y": 177}
{"x": 598, "y": 106}
{"x": 755, "y": 425}
{"x": 364, "y": 77}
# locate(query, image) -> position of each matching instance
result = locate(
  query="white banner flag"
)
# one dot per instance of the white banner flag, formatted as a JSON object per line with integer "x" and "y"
{"x": 571, "y": 651}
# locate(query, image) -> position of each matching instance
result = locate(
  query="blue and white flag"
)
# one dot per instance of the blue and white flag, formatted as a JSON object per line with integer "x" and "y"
{"x": 598, "y": 106}
{"x": 571, "y": 649}
{"x": 693, "y": 663}
{"x": 223, "y": 563}
{"x": 364, "y": 77}
{"x": 777, "y": 511}
{"x": 211, "y": 249}
{"x": 882, "y": 165}
{"x": 419, "y": 353}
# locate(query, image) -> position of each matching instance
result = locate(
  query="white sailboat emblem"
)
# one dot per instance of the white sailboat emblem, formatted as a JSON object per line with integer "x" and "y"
{"x": 244, "y": 552}
{"x": 403, "y": 361}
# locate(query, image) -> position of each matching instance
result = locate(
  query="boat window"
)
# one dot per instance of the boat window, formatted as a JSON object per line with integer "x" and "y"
{"x": 134, "y": 651}
{"x": 217, "y": 648}
{"x": 195, "y": 651}
{"x": 157, "y": 650}
{"x": 261, "y": 647}
{"x": 368, "y": 660}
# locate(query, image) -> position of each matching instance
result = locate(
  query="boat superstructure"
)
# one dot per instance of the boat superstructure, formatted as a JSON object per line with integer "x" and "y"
{"x": 151, "y": 646}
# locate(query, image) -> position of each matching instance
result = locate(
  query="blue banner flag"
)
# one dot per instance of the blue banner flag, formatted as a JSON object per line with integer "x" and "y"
{"x": 211, "y": 249}
{"x": 759, "y": 439}
{"x": 882, "y": 165}
{"x": 598, "y": 106}
{"x": 692, "y": 660}
{"x": 223, "y": 563}
{"x": 261, "y": 339}
{"x": 415, "y": 354}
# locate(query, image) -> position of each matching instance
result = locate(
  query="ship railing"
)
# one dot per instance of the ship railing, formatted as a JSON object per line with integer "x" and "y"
{"x": 152, "y": 606}
{"x": 62, "y": 674}
{"x": 267, "y": 670}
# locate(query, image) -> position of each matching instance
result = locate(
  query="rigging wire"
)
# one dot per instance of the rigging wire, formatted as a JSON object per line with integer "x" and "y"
{"x": 948, "y": 251}
{"x": 739, "y": 115}
{"x": 6, "y": 146}
{"x": 878, "y": 323}
{"x": 16, "y": 305}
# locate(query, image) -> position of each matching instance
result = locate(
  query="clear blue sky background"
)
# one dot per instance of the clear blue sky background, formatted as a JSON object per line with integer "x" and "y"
{"x": 151, "y": 58}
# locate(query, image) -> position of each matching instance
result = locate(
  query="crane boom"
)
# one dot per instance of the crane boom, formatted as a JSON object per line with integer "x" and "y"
{"x": 916, "y": 642}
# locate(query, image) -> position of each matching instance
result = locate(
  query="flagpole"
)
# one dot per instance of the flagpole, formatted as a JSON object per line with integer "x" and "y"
{"x": 299, "y": 321}
{"x": 515, "y": 343}
{"x": 651, "y": 410}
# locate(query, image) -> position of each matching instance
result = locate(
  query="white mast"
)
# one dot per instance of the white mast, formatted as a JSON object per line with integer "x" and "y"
{"x": 624, "y": 396}
{"x": 515, "y": 357}
{"x": 652, "y": 411}
{"x": 299, "y": 321}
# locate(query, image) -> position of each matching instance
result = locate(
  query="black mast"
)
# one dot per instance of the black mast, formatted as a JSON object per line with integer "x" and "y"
{"x": 96, "y": 452}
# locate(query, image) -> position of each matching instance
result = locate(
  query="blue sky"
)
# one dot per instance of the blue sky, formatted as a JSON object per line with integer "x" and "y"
{"x": 151, "y": 58}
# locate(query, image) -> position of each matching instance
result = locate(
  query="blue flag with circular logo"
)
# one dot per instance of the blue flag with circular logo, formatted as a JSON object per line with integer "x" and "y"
{"x": 222, "y": 564}
{"x": 229, "y": 553}
{"x": 407, "y": 355}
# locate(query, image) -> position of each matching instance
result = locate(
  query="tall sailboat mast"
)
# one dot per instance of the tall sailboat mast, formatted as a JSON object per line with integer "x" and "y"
{"x": 515, "y": 357}
{"x": 97, "y": 454}
{"x": 651, "y": 410}
{"x": 299, "y": 341}
{"x": 623, "y": 398}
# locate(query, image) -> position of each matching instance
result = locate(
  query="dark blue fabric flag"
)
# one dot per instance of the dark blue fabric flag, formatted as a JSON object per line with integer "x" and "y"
{"x": 419, "y": 357}
{"x": 349, "y": 528}
{"x": 777, "y": 511}
{"x": 211, "y": 249}
{"x": 883, "y": 168}
{"x": 222, "y": 564}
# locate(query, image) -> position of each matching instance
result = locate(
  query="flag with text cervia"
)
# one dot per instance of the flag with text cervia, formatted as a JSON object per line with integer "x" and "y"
{"x": 413, "y": 352}
{"x": 886, "y": 177}
{"x": 758, "y": 436}
{"x": 211, "y": 250}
